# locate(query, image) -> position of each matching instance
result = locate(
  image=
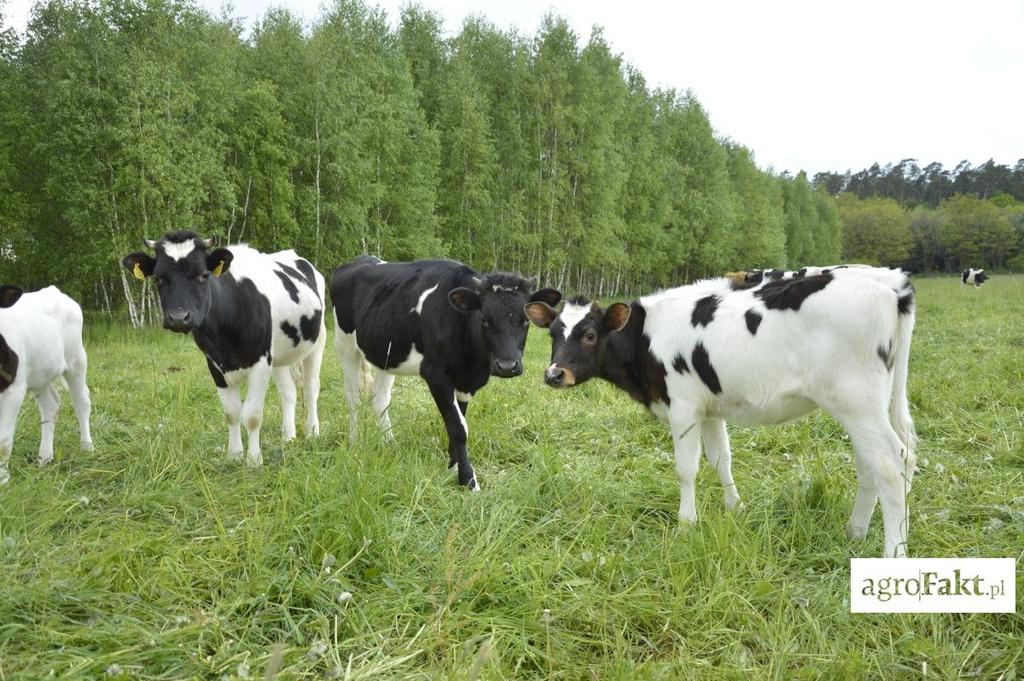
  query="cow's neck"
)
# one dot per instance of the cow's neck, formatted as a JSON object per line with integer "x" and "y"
{"x": 625, "y": 360}
{"x": 209, "y": 334}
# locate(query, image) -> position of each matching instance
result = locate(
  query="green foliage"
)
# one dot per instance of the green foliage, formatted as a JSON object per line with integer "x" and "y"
{"x": 875, "y": 231}
{"x": 543, "y": 154}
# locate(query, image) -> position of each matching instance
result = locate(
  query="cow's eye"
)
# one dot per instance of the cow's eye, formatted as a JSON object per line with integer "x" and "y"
{"x": 157, "y": 280}
{"x": 485, "y": 324}
{"x": 590, "y": 337}
{"x": 203, "y": 277}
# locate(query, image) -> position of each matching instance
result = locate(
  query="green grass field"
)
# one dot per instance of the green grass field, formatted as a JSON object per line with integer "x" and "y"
{"x": 155, "y": 558}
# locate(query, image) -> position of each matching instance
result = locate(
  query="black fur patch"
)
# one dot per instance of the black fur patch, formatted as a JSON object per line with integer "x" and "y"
{"x": 8, "y": 365}
{"x": 702, "y": 365}
{"x": 289, "y": 285}
{"x": 753, "y": 318}
{"x": 789, "y": 294}
{"x": 774, "y": 275}
{"x": 802, "y": 272}
{"x": 309, "y": 273}
{"x": 310, "y": 326}
{"x": 308, "y": 280}
{"x": 905, "y": 304}
{"x": 704, "y": 310}
{"x": 628, "y": 363}
{"x": 887, "y": 356}
{"x": 679, "y": 364}
{"x": 218, "y": 377}
{"x": 291, "y": 332}
{"x": 237, "y": 332}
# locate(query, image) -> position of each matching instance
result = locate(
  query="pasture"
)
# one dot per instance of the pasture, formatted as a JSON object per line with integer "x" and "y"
{"x": 155, "y": 558}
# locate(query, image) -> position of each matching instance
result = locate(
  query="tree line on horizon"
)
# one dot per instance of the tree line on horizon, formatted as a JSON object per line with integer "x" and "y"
{"x": 931, "y": 219}
{"x": 543, "y": 154}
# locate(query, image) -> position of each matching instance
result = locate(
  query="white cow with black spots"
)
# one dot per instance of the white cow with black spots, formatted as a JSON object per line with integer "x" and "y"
{"x": 760, "y": 353}
{"x": 255, "y": 316}
{"x": 40, "y": 345}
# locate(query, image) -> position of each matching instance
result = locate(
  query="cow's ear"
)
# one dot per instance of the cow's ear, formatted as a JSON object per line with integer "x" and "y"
{"x": 540, "y": 313}
{"x": 549, "y": 296}
{"x": 219, "y": 261}
{"x": 139, "y": 264}
{"x": 9, "y": 295}
{"x": 616, "y": 316}
{"x": 464, "y": 299}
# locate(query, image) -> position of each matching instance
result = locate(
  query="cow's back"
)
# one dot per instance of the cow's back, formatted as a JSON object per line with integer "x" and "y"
{"x": 45, "y": 329}
{"x": 394, "y": 308}
{"x": 294, "y": 292}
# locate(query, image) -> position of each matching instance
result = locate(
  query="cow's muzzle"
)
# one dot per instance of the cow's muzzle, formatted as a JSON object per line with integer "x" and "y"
{"x": 558, "y": 377}
{"x": 506, "y": 368}
{"x": 179, "y": 321}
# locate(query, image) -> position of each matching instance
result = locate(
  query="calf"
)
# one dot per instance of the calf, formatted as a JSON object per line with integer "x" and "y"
{"x": 974, "y": 277}
{"x": 437, "y": 319}
{"x": 700, "y": 355}
{"x": 40, "y": 343}
{"x": 254, "y": 315}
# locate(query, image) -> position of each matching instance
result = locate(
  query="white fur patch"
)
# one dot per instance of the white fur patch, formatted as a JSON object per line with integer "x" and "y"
{"x": 462, "y": 419}
{"x": 423, "y": 296}
{"x": 571, "y": 316}
{"x": 177, "y": 251}
{"x": 462, "y": 397}
{"x": 410, "y": 366}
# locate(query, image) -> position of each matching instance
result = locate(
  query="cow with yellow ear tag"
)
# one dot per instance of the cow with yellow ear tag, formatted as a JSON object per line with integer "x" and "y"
{"x": 255, "y": 316}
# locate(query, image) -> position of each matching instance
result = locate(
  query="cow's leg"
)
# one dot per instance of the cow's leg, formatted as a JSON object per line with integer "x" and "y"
{"x": 443, "y": 392}
{"x": 75, "y": 376}
{"x": 49, "y": 402}
{"x": 311, "y": 383}
{"x": 230, "y": 394}
{"x": 686, "y": 436}
{"x": 252, "y": 408}
{"x": 864, "y": 503}
{"x": 883, "y": 459}
{"x": 231, "y": 402}
{"x": 719, "y": 454}
{"x": 10, "y": 404}
{"x": 463, "y": 400}
{"x": 351, "y": 366}
{"x": 382, "y": 384}
{"x": 286, "y": 389}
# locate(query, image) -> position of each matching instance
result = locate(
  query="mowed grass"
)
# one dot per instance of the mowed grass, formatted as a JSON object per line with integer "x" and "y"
{"x": 155, "y": 558}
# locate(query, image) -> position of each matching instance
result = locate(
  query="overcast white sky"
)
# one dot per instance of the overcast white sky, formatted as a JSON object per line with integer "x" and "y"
{"x": 807, "y": 84}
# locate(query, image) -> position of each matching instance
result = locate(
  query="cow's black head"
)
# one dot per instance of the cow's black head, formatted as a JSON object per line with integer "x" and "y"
{"x": 579, "y": 334}
{"x": 181, "y": 269}
{"x": 499, "y": 299}
{"x": 980, "y": 278}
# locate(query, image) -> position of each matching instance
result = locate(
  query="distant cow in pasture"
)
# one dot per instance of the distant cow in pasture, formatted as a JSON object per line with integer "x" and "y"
{"x": 254, "y": 315}
{"x": 40, "y": 344}
{"x": 700, "y": 355}
{"x": 973, "y": 277}
{"x": 437, "y": 319}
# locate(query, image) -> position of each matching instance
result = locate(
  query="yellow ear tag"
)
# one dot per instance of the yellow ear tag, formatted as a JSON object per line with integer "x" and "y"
{"x": 219, "y": 269}
{"x": 137, "y": 271}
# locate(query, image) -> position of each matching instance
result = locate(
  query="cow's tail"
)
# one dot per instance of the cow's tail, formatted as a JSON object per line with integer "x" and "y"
{"x": 899, "y": 407}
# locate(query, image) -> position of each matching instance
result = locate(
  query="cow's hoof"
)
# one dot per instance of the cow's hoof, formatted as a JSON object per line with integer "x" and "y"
{"x": 88, "y": 447}
{"x": 856, "y": 533}
{"x": 5, "y": 477}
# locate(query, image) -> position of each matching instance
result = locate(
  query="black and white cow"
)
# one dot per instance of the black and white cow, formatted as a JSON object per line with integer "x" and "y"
{"x": 254, "y": 315}
{"x": 700, "y": 355}
{"x": 438, "y": 319}
{"x": 40, "y": 343}
{"x": 973, "y": 277}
